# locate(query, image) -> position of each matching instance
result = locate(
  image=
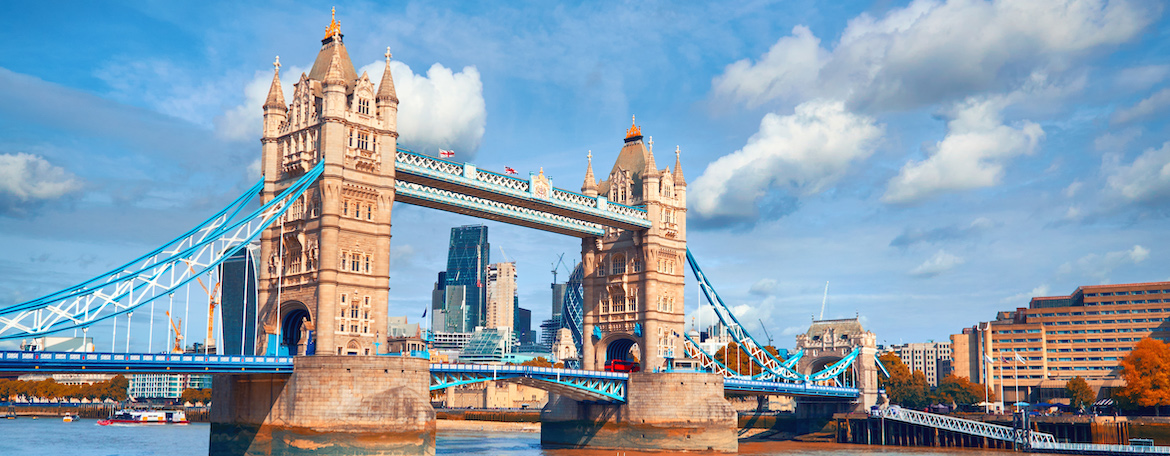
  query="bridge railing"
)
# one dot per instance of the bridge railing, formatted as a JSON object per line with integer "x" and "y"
{"x": 1098, "y": 448}
{"x": 98, "y": 361}
{"x": 950, "y": 423}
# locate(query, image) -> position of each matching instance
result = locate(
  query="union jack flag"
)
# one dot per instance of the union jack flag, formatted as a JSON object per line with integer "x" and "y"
{"x": 509, "y": 170}
{"x": 446, "y": 153}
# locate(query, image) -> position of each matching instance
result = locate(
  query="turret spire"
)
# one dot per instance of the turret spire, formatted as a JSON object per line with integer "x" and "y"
{"x": 386, "y": 90}
{"x": 334, "y": 28}
{"x": 590, "y": 185}
{"x": 678, "y": 174}
{"x": 275, "y": 94}
{"x": 335, "y": 75}
{"x": 651, "y": 167}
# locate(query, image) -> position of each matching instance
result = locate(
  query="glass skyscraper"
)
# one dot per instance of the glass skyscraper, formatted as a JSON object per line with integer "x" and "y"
{"x": 468, "y": 255}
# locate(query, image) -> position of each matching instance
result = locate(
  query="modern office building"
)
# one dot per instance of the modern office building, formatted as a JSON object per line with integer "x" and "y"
{"x": 238, "y": 303}
{"x": 931, "y": 358}
{"x": 1040, "y": 347}
{"x": 501, "y": 296}
{"x": 523, "y": 327}
{"x": 468, "y": 255}
{"x": 487, "y": 346}
{"x": 548, "y": 328}
{"x": 167, "y": 386}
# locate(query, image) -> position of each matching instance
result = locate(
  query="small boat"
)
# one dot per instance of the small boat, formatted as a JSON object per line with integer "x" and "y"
{"x": 70, "y": 418}
{"x": 146, "y": 417}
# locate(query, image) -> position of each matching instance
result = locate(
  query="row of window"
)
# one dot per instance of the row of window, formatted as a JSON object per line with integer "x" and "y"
{"x": 1098, "y": 322}
{"x": 1099, "y": 331}
{"x": 1085, "y": 349}
{"x": 1127, "y": 293}
{"x": 1101, "y": 312}
{"x": 355, "y": 262}
{"x": 665, "y": 304}
{"x": 364, "y": 140}
{"x": 353, "y": 208}
{"x": 354, "y": 314}
{"x": 1069, "y": 341}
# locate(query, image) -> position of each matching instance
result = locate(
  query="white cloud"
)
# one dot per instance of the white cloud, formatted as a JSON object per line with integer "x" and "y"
{"x": 789, "y": 68}
{"x": 1023, "y": 298}
{"x": 1146, "y": 179}
{"x": 1099, "y": 267}
{"x": 803, "y": 154}
{"x": 1143, "y": 77}
{"x": 932, "y": 51}
{"x": 1153, "y": 104}
{"x": 763, "y": 287}
{"x": 442, "y": 110}
{"x": 1073, "y": 188}
{"x": 246, "y": 121}
{"x": 972, "y": 155}
{"x": 1111, "y": 142}
{"x": 28, "y": 180}
{"x": 939, "y": 263}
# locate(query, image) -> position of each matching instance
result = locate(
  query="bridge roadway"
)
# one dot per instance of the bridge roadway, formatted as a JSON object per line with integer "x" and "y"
{"x": 578, "y": 384}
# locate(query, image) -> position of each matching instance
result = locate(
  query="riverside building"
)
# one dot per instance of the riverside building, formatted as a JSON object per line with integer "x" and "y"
{"x": 931, "y": 358}
{"x": 1056, "y": 338}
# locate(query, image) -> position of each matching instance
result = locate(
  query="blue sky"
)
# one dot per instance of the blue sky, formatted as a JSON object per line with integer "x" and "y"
{"x": 934, "y": 161}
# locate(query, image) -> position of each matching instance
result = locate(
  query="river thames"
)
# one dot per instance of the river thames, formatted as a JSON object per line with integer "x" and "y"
{"x": 51, "y": 436}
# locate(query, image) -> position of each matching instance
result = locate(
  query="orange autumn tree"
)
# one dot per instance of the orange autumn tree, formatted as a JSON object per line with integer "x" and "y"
{"x": 1147, "y": 375}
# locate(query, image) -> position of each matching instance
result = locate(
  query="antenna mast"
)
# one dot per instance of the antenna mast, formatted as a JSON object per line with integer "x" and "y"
{"x": 825, "y": 300}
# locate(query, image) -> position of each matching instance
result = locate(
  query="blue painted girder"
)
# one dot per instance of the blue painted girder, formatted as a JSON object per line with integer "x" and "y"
{"x": 139, "y": 363}
{"x": 582, "y": 385}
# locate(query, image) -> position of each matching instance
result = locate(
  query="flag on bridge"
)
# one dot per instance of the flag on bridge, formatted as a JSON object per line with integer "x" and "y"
{"x": 446, "y": 153}
{"x": 988, "y": 358}
{"x": 509, "y": 170}
{"x": 424, "y": 312}
{"x": 1019, "y": 358}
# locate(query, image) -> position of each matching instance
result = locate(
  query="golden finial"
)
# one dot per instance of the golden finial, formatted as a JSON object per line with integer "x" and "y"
{"x": 677, "y": 151}
{"x": 590, "y": 155}
{"x": 388, "y": 55}
{"x": 334, "y": 27}
{"x": 276, "y": 64}
{"x": 634, "y": 131}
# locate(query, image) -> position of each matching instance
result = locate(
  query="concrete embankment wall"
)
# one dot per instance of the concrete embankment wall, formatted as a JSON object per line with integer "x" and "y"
{"x": 862, "y": 429}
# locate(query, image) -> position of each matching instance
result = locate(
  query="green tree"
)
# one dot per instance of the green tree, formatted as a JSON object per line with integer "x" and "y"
{"x": 1147, "y": 375}
{"x": 1079, "y": 392}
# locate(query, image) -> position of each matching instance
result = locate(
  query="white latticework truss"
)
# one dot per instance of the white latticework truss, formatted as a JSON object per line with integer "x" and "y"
{"x": 502, "y": 181}
{"x": 978, "y": 428}
{"x": 576, "y": 198}
{"x": 426, "y": 162}
{"x": 578, "y": 384}
{"x": 496, "y": 207}
{"x": 153, "y": 275}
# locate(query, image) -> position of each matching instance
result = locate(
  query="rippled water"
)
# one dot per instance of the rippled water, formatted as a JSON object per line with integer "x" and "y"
{"x": 51, "y": 436}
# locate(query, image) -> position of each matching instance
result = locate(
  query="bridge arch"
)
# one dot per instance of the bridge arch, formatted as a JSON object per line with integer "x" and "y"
{"x": 621, "y": 346}
{"x": 296, "y": 327}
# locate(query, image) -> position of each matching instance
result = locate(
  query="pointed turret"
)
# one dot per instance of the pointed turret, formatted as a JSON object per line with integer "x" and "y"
{"x": 335, "y": 75}
{"x": 275, "y": 93}
{"x": 386, "y": 90}
{"x": 678, "y": 174}
{"x": 651, "y": 167}
{"x": 589, "y": 187}
{"x": 275, "y": 111}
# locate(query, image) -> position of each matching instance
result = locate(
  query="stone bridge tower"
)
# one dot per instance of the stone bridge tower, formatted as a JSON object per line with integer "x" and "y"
{"x": 633, "y": 285}
{"x": 828, "y": 341}
{"x": 325, "y": 274}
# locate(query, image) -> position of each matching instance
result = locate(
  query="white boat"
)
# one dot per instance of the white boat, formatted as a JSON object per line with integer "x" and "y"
{"x": 146, "y": 417}
{"x": 70, "y": 418}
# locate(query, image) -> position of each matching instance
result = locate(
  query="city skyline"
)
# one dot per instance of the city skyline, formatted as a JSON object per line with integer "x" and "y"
{"x": 937, "y": 190}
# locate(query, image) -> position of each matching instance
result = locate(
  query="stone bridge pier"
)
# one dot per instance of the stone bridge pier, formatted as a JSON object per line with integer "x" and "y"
{"x": 329, "y": 405}
{"x": 663, "y": 412}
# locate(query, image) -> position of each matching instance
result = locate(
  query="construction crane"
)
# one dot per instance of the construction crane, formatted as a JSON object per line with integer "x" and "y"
{"x": 765, "y": 328}
{"x": 212, "y": 303}
{"x": 178, "y": 344}
{"x": 560, "y": 262}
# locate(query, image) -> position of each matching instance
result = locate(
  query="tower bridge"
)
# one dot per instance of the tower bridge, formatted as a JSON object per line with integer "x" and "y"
{"x": 321, "y": 375}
